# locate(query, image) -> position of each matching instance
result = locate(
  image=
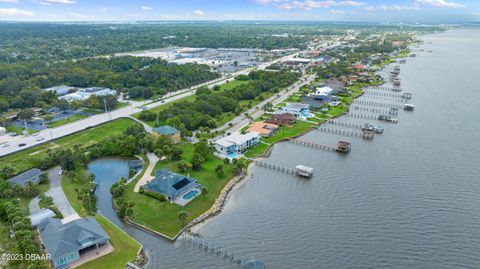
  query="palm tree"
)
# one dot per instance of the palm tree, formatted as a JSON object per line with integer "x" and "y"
{"x": 204, "y": 191}
{"x": 182, "y": 216}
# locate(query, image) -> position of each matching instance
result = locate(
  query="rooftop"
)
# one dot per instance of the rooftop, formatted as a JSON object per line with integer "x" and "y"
{"x": 236, "y": 139}
{"x": 262, "y": 127}
{"x": 62, "y": 239}
{"x": 168, "y": 183}
{"x": 166, "y": 130}
{"x": 23, "y": 178}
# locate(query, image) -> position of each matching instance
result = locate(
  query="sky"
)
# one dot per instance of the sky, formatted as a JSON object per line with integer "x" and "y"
{"x": 411, "y": 11}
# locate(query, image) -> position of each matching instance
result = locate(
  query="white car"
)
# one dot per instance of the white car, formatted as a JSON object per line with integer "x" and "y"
{"x": 5, "y": 145}
{"x": 40, "y": 139}
{"x": 35, "y": 134}
{"x": 60, "y": 172}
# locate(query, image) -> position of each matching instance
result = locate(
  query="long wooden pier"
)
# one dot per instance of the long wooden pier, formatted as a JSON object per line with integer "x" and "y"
{"x": 384, "y": 88}
{"x": 311, "y": 144}
{"x": 194, "y": 241}
{"x": 345, "y": 133}
{"x": 361, "y": 116}
{"x": 279, "y": 168}
{"x": 345, "y": 124}
{"x": 377, "y": 104}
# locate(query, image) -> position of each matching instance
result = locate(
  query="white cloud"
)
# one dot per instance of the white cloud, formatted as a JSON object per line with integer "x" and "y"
{"x": 200, "y": 13}
{"x": 145, "y": 8}
{"x": 15, "y": 12}
{"x": 391, "y": 8}
{"x": 311, "y": 4}
{"x": 266, "y": 2}
{"x": 437, "y": 3}
{"x": 57, "y": 2}
{"x": 78, "y": 16}
{"x": 337, "y": 12}
{"x": 9, "y": 1}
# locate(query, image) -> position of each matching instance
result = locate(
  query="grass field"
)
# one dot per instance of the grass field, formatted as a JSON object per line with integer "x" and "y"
{"x": 126, "y": 248}
{"x": 163, "y": 216}
{"x": 25, "y": 159}
{"x": 66, "y": 120}
{"x": 69, "y": 184}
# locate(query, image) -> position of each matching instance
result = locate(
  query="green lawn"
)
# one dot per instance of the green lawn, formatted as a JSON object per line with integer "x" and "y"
{"x": 126, "y": 248}
{"x": 163, "y": 216}
{"x": 66, "y": 120}
{"x": 25, "y": 159}
{"x": 69, "y": 184}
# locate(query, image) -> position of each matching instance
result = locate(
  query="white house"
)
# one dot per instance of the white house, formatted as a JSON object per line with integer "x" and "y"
{"x": 324, "y": 91}
{"x": 296, "y": 109}
{"x": 236, "y": 143}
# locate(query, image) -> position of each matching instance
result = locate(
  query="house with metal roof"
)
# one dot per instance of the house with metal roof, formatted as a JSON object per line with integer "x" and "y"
{"x": 66, "y": 243}
{"x": 169, "y": 131}
{"x": 32, "y": 175}
{"x": 175, "y": 187}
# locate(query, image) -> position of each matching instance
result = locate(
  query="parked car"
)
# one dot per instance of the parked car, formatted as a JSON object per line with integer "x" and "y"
{"x": 60, "y": 172}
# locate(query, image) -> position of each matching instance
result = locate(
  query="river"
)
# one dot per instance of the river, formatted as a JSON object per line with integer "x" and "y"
{"x": 409, "y": 198}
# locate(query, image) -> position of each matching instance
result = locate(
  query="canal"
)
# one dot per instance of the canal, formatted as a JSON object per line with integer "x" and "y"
{"x": 408, "y": 198}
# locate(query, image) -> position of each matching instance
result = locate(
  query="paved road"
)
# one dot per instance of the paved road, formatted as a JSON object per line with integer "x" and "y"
{"x": 56, "y": 192}
{"x": 135, "y": 107}
{"x": 240, "y": 121}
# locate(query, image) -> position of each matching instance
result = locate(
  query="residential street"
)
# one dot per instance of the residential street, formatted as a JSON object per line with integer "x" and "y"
{"x": 241, "y": 120}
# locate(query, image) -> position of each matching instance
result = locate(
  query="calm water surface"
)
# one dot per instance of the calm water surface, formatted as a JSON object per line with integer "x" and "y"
{"x": 408, "y": 199}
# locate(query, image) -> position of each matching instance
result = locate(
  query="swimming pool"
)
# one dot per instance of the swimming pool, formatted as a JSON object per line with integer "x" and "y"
{"x": 189, "y": 195}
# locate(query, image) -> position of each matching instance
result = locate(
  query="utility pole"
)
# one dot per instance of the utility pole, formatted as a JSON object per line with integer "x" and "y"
{"x": 51, "y": 135}
{"x": 106, "y": 110}
{"x": 26, "y": 126}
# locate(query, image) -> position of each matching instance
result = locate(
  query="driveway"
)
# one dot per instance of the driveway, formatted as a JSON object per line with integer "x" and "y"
{"x": 153, "y": 159}
{"x": 56, "y": 192}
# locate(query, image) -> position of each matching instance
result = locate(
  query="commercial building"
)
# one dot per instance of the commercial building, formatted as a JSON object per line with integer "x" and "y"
{"x": 85, "y": 93}
{"x": 60, "y": 90}
{"x": 32, "y": 175}
{"x": 66, "y": 243}
{"x": 235, "y": 144}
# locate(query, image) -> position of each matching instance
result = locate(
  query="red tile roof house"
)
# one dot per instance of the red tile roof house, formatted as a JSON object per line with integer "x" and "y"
{"x": 282, "y": 119}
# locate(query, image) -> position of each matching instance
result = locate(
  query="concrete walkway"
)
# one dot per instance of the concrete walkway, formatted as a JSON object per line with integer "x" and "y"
{"x": 56, "y": 192}
{"x": 33, "y": 206}
{"x": 153, "y": 159}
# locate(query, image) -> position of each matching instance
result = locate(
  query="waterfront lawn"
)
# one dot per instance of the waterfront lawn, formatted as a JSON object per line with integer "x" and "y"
{"x": 163, "y": 216}
{"x": 76, "y": 180}
{"x": 26, "y": 159}
{"x": 284, "y": 132}
{"x": 126, "y": 248}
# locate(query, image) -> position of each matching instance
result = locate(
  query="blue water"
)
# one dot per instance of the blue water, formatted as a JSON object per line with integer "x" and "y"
{"x": 189, "y": 195}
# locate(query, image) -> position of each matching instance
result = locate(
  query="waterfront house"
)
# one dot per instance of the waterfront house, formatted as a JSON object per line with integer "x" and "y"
{"x": 262, "y": 128}
{"x": 32, "y": 175}
{"x": 168, "y": 131}
{"x": 281, "y": 119}
{"x": 233, "y": 145}
{"x": 296, "y": 109}
{"x": 175, "y": 187}
{"x": 68, "y": 242}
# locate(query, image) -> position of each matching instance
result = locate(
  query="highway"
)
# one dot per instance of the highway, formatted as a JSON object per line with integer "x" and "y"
{"x": 134, "y": 107}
